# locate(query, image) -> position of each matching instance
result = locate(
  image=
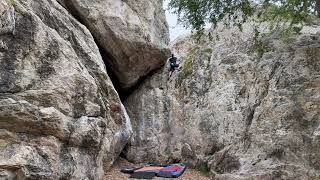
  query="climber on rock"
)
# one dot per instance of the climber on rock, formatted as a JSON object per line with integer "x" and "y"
{"x": 173, "y": 64}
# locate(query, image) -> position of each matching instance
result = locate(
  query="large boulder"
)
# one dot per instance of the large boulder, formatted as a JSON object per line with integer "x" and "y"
{"x": 242, "y": 110}
{"x": 133, "y": 35}
{"x": 60, "y": 116}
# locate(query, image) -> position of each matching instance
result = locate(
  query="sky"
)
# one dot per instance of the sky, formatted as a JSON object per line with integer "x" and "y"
{"x": 175, "y": 29}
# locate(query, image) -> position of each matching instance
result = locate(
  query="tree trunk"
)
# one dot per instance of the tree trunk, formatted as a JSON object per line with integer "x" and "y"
{"x": 318, "y": 7}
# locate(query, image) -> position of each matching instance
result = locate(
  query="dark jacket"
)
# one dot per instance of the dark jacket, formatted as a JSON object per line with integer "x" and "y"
{"x": 173, "y": 60}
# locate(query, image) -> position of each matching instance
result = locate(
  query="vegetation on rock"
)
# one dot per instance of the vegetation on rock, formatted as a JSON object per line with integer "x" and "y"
{"x": 197, "y": 13}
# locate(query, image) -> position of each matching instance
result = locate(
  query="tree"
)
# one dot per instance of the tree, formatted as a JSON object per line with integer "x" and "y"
{"x": 197, "y": 13}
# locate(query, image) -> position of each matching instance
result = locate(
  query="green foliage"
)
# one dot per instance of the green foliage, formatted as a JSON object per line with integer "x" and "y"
{"x": 13, "y": 2}
{"x": 196, "y": 14}
{"x": 187, "y": 68}
{"x": 167, "y": 151}
{"x": 208, "y": 51}
{"x": 186, "y": 71}
{"x": 314, "y": 55}
{"x": 260, "y": 47}
{"x": 293, "y": 11}
{"x": 204, "y": 169}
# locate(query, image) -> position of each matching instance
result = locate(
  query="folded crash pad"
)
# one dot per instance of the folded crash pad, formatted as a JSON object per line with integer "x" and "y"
{"x": 128, "y": 170}
{"x": 172, "y": 171}
{"x": 149, "y": 169}
{"x": 143, "y": 175}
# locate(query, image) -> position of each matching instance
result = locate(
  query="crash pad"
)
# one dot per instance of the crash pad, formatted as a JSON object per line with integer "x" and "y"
{"x": 150, "y": 171}
{"x": 143, "y": 175}
{"x": 172, "y": 171}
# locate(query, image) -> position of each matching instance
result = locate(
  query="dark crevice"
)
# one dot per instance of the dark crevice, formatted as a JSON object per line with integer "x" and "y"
{"x": 108, "y": 59}
{"x": 250, "y": 116}
{"x": 124, "y": 151}
{"x": 72, "y": 10}
{"x": 123, "y": 93}
{"x": 140, "y": 82}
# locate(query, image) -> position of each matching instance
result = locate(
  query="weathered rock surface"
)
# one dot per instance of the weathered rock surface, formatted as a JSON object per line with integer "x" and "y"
{"x": 60, "y": 116}
{"x": 241, "y": 115}
{"x": 133, "y": 34}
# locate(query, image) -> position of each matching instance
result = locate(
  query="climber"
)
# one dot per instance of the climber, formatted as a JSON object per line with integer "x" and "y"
{"x": 173, "y": 64}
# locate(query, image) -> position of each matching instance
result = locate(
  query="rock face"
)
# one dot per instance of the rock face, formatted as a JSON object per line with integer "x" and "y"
{"x": 132, "y": 34}
{"x": 60, "y": 116}
{"x": 239, "y": 113}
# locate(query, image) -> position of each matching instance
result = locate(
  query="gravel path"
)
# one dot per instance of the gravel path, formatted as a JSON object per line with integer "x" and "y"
{"x": 115, "y": 174}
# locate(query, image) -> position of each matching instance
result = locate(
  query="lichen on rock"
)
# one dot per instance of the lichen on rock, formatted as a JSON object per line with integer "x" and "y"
{"x": 240, "y": 113}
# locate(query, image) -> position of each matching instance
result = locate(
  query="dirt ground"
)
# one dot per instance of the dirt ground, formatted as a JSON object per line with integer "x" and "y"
{"x": 115, "y": 174}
